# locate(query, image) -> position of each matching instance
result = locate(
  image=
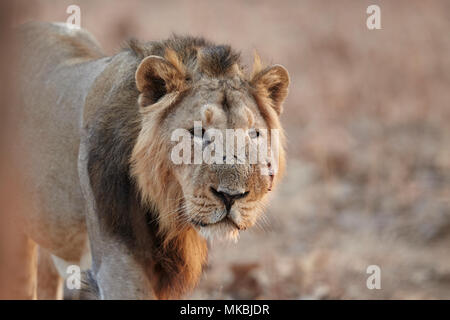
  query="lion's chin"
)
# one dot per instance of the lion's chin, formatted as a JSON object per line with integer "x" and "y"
{"x": 222, "y": 231}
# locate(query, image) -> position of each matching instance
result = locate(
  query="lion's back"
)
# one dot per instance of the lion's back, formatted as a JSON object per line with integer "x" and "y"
{"x": 57, "y": 68}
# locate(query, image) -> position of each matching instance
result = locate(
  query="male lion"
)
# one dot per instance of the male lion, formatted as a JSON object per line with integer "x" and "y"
{"x": 97, "y": 136}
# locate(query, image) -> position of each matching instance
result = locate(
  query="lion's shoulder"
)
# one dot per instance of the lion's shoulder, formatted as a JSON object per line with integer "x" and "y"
{"x": 56, "y": 42}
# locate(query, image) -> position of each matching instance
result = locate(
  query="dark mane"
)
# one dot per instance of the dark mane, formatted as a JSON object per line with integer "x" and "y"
{"x": 194, "y": 52}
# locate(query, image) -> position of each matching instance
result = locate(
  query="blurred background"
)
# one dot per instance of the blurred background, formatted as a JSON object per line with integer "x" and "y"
{"x": 368, "y": 124}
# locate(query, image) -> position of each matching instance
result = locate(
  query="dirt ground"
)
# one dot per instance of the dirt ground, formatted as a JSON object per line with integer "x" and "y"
{"x": 367, "y": 118}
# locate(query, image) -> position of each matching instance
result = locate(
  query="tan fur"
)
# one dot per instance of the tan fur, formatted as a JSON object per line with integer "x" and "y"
{"x": 49, "y": 283}
{"x": 257, "y": 65}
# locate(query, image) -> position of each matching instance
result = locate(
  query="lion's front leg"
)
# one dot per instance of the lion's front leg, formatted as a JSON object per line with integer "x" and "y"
{"x": 118, "y": 274}
{"x": 115, "y": 271}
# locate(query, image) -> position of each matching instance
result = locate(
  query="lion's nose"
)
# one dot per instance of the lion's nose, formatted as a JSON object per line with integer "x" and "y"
{"x": 228, "y": 198}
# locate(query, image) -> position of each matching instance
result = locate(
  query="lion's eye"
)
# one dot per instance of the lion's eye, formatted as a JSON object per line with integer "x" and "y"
{"x": 253, "y": 133}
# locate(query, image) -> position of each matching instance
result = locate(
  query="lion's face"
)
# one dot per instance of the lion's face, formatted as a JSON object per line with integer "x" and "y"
{"x": 224, "y": 193}
{"x": 220, "y": 199}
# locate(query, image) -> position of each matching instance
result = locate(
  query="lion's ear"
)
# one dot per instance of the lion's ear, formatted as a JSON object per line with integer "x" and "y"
{"x": 272, "y": 84}
{"x": 155, "y": 77}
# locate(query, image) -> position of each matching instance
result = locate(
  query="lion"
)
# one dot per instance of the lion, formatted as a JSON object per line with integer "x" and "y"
{"x": 96, "y": 139}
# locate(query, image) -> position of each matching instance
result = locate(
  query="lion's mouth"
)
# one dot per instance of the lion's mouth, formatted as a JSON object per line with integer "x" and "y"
{"x": 225, "y": 219}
